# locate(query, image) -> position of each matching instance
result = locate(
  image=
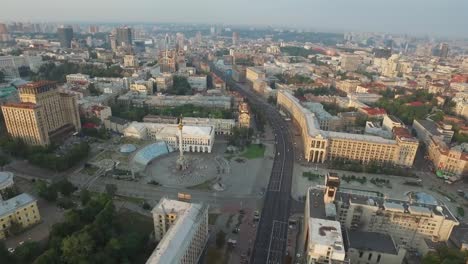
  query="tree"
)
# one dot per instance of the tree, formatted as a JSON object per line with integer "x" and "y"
{"x": 93, "y": 90}
{"x": 15, "y": 228}
{"x": 48, "y": 257}
{"x": 271, "y": 100}
{"x": 85, "y": 197}
{"x": 46, "y": 192}
{"x": 65, "y": 187}
{"x": 445, "y": 255}
{"x": 27, "y": 252}
{"x": 77, "y": 248}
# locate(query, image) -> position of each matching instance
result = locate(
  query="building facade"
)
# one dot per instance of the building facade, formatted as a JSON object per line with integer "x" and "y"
{"x": 194, "y": 139}
{"x": 21, "y": 209}
{"x": 222, "y": 126}
{"x": 65, "y": 36}
{"x": 244, "y": 115}
{"x": 182, "y": 231}
{"x": 43, "y": 113}
{"x": 320, "y": 145}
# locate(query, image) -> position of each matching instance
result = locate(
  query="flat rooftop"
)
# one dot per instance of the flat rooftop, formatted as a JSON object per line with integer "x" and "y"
{"x": 327, "y": 233}
{"x": 11, "y": 205}
{"x": 372, "y": 241}
{"x": 179, "y": 234}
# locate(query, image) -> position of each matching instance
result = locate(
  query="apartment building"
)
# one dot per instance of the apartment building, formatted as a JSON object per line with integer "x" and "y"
{"x": 21, "y": 209}
{"x": 182, "y": 231}
{"x": 244, "y": 115}
{"x": 452, "y": 161}
{"x": 376, "y": 229}
{"x": 320, "y": 145}
{"x": 43, "y": 113}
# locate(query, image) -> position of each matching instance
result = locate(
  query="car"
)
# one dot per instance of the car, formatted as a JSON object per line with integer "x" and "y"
{"x": 242, "y": 211}
{"x": 236, "y": 230}
{"x": 11, "y": 250}
{"x": 21, "y": 243}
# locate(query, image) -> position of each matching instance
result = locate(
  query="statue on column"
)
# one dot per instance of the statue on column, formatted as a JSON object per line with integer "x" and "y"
{"x": 182, "y": 163}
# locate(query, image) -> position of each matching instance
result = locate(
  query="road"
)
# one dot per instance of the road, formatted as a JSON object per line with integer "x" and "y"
{"x": 270, "y": 242}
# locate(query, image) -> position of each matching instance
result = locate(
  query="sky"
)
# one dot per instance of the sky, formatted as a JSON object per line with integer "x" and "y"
{"x": 417, "y": 17}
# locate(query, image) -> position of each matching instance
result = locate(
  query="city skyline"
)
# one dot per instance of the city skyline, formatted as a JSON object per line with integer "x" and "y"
{"x": 416, "y": 17}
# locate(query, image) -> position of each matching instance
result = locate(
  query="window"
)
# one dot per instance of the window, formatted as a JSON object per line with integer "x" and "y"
{"x": 378, "y": 258}
{"x": 360, "y": 254}
{"x": 370, "y": 256}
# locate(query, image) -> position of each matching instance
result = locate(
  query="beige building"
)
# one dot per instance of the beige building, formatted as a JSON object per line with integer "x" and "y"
{"x": 130, "y": 61}
{"x": 450, "y": 161}
{"x": 348, "y": 86}
{"x": 320, "y": 145}
{"x": 253, "y": 73}
{"x": 350, "y": 62}
{"x": 164, "y": 81}
{"x": 244, "y": 115}
{"x": 181, "y": 229}
{"x": 43, "y": 113}
{"x": 142, "y": 87}
{"x": 21, "y": 209}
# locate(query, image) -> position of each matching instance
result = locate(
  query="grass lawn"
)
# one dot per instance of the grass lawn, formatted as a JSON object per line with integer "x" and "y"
{"x": 254, "y": 151}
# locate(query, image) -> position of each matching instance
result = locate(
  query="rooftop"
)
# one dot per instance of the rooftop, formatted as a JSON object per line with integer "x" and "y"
{"x": 169, "y": 248}
{"x": 372, "y": 241}
{"x": 327, "y": 233}
{"x": 22, "y": 105}
{"x": 11, "y": 205}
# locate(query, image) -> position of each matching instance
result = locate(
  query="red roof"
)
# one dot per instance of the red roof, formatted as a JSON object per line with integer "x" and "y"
{"x": 89, "y": 125}
{"x": 374, "y": 111}
{"x": 415, "y": 103}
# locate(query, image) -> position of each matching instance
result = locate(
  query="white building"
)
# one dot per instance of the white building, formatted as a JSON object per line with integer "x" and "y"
{"x": 11, "y": 65}
{"x": 194, "y": 138}
{"x": 222, "y": 126}
{"x": 325, "y": 243}
{"x": 78, "y": 77}
{"x": 182, "y": 231}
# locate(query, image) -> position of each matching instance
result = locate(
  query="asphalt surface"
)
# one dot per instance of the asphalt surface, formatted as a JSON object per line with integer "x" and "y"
{"x": 271, "y": 238}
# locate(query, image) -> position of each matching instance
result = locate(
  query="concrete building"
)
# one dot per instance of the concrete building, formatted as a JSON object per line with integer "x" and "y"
{"x": 222, "y": 126}
{"x": 182, "y": 231}
{"x": 448, "y": 161}
{"x": 123, "y": 37}
{"x": 373, "y": 248}
{"x": 116, "y": 124}
{"x": 320, "y": 145}
{"x": 43, "y": 113}
{"x": 160, "y": 119}
{"x": 65, "y": 36}
{"x": 195, "y": 138}
{"x": 163, "y": 81}
{"x": 14, "y": 66}
{"x": 197, "y": 82}
{"x": 426, "y": 129}
{"x": 21, "y": 209}
{"x": 350, "y": 62}
{"x": 78, "y": 78}
{"x": 348, "y": 86}
{"x": 253, "y": 74}
{"x": 378, "y": 229}
{"x": 130, "y": 61}
{"x": 142, "y": 87}
{"x": 213, "y": 101}
{"x": 244, "y": 115}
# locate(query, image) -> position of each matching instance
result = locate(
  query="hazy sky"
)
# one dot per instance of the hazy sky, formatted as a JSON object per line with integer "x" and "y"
{"x": 441, "y": 17}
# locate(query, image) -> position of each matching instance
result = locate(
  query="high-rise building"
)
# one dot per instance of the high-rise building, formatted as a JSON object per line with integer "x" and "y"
{"x": 182, "y": 231}
{"x": 443, "y": 50}
{"x": 93, "y": 29}
{"x": 180, "y": 41}
{"x": 65, "y": 36}
{"x": 235, "y": 38}
{"x": 42, "y": 114}
{"x": 124, "y": 36}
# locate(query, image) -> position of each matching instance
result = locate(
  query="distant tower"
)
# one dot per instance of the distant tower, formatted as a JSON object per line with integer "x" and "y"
{"x": 443, "y": 50}
{"x": 332, "y": 182}
{"x": 182, "y": 163}
{"x": 235, "y": 38}
{"x": 65, "y": 36}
